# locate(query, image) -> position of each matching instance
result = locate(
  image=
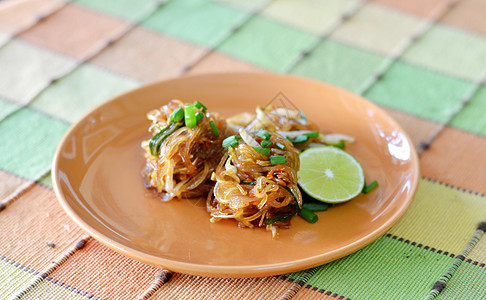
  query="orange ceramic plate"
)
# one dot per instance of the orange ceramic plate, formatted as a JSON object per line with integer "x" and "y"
{"x": 97, "y": 178}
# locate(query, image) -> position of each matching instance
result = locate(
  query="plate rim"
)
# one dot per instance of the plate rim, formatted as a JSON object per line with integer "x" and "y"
{"x": 244, "y": 270}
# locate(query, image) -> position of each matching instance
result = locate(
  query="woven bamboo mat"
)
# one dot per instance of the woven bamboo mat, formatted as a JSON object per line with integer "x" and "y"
{"x": 424, "y": 61}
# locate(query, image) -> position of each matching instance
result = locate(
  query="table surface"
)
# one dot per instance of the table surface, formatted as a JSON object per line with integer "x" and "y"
{"x": 423, "y": 61}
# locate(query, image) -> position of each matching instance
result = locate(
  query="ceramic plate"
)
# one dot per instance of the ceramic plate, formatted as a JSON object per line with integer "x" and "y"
{"x": 97, "y": 178}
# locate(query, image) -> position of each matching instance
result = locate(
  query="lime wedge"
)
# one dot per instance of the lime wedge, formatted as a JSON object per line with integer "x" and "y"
{"x": 330, "y": 174}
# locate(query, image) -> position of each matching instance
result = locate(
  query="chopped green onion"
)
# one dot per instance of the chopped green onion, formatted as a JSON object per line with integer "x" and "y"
{"x": 199, "y": 116}
{"x": 270, "y": 221}
{"x": 248, "y": 182}
{"x": 264, "y": 151}
{"x": 200, "y": 106}
{"x": 247, "y": 138}
{"x": 266, "y": 144}
{"x": 214, "y": 128}
{"x": 156, "y": 140}
{"x": 312, "y": 134}
{"x": 308, "y": 215}
{"x": 300, "y": 139}
{"x": 368, "y": 188}
{"x": 288, "y": 138}
{"x": 190, "y": 115}
{"x": 280, "y": 146}
{"x": 316, "y": 206}
{"x": 278, "y": 159}
{"x": 264, "y": 134}
{"x": 176, "y": 115}
{"x": 231, "y": 141}
{"x": 341, "y": 145}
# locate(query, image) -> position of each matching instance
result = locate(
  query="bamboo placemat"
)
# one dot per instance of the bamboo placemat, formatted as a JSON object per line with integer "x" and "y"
{"x": 424, "y": 61}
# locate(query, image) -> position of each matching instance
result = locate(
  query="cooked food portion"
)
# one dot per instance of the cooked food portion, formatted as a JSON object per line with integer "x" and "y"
{"x": 273, "y": 119}
{"x": 290, "y": 123}
{"x": 184, "y": 150}
{"x": 248, "y": 165}
{"x": 256, "y": 181}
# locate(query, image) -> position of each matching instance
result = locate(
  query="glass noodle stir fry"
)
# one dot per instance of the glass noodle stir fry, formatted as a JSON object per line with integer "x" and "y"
{"x": 246, "y": 165}
{"x": 256, "y": 181}
{"x": 184, "y": 150}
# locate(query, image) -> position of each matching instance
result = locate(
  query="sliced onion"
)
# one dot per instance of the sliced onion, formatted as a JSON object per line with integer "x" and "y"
{"x": 273, "y": 229}
{"x": 228, "y": 166}
{"x": 312, "y": 145}
{"x": 295, "y": 133}
{"x": 248, "y": 138}
{"x": 234, "y": 127}
{"x": 336, "y": 138}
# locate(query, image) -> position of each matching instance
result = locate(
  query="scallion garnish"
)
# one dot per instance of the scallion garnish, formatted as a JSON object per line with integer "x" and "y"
{"x": 214, "y": 128}
{"x": 190, "y": 115}
{"x": 176, "y": 115}
{"x": 200, "y": 106}
{"x": 156, "y": 140}
{"x": 264, "y": 151}
{"x": 231, "y": 141}
{"x": 270, "y": 221}
{"x": 300, "y": 139}
{"x": 341, "y": 145}
{"x": 199, "y": 116}
{"x": 264, "y": 134}
{"x": 312, "y": 134}
{"x": 368, "y": 188}
{"x": 308, "y": 215}
{"x": 278, "y": 159}
{"x": 248, "y": 182}
{"x": 316, "y": 206}
{"x": 266, "y": 144}
{"x": 280, "y": 146}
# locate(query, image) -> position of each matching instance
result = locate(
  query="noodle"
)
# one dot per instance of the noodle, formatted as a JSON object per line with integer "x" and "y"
{"x": 251, "y": 190}
{"x": 186, "y": 158}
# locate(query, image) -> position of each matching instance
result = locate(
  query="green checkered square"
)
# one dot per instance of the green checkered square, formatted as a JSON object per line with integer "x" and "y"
{"x": 396, "y": 266}
{"x": 126, "y": 9}
{"x": 467, "y": 283}
{"x": 76, "y": 94}
{"x": 472, "y": 116}
{"x": 339, "y": 64}
{"x": 14, "y": 276}
{"x": 29, "y": 140}
{"x": 6, "y": 108}
{"x": 199, "y": 21}
{"x": 246, "y": 5}
{"x": 267, "y": 44}
{"x": 420, "y": 92}
{"x": 450, "y": 50}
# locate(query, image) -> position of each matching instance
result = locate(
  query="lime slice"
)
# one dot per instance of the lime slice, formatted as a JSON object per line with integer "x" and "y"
{"x": 330, "y": 174}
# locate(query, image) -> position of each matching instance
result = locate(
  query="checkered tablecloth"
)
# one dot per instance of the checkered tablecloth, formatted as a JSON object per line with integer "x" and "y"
{"x": 423, "y": 61}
